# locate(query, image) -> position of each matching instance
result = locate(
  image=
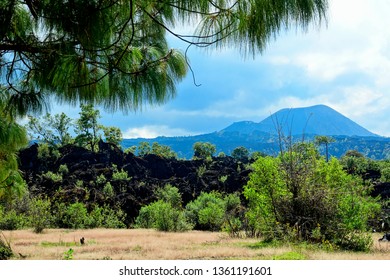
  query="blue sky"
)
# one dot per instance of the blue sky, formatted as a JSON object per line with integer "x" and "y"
{"x": 345, "y": 65}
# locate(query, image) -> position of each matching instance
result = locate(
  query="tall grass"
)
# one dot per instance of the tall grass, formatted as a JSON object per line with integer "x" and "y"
{"x": 141, "y": 244}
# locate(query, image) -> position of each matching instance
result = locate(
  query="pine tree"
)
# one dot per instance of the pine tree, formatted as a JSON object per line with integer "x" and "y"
{"x": 115, "y": 53}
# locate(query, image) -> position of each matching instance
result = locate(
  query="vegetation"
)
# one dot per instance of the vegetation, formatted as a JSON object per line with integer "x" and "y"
{"x": 116, "y": 54}
{"x": 213, "y": 211}
{"x": 163, "y": 151}
{"x": 204, "y": 150}
{"x": 146, "y": 244}
{"x": 12, "y": 138}
{"x": 87, "y": 127}
{"x": 5, "y": 248}
{"x": 166, "y": 213}
{"x": 240, "y": 153}
{"x": 53, "y": 130}
{"x": 300, "y": 196}
{"x": 320, "y": 140}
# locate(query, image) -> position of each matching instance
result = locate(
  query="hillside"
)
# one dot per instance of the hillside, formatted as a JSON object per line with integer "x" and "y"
{"x": 299, "y": 123}
{"x": 314, "y": 120}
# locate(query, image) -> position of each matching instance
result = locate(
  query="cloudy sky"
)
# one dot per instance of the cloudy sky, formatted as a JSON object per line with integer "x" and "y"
{"x": 345, "y": 65}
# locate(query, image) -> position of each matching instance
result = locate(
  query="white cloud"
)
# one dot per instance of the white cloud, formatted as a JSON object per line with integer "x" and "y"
{"x": 152, "y": 131}
{"x": 356, "y": 40}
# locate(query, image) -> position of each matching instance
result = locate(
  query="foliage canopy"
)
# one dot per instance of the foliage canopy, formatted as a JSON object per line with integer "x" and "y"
{"x": 116, "y": 53}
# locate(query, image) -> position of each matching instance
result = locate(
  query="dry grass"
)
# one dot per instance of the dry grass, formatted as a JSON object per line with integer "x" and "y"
{"x": 141, "y": 244}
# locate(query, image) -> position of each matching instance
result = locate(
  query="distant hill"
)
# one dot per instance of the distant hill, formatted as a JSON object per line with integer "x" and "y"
{"x": 315, "y": 120}
{"x": 297, "y": 122}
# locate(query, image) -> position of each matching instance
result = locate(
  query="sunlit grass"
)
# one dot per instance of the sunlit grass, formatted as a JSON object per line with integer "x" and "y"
{"x": 142, "y": 244}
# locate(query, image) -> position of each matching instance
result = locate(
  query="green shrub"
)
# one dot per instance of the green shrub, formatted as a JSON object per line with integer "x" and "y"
{"x": 46, "y": 151}
{"x": 354, "y": 241}
{"x": 162, "y": 216}
{"x": 68, "y": 255}
{"x": 5, "y": 248}
{"x": 12, "y": 220}
{"x": 76, "y": 216}
{"x": 101, "y": 179}
{"x": 105, "y": 217}
{"x": 166, "y": 214}
{"x": 55, "y": 177}
{"x": 170, "y": 195}
{"x": 119, "y": 175}
{"x": 298, "y": 196}
{"x": 207, "y": 211}
{"x": 59, "y": 215}
{"x": 240, "y": 153}
{"x": 146, "y": 217}
{"x": 385, "y": 174}
{"x": 201, "y": 170}
{"x": 79, "y": 184}
{"x": 63, "y": 169}
{"x": 40, "y": 214}
{"x": 203, "y": 150}
{"x": 108, "y": 190}
{"x": 43, "y": 151}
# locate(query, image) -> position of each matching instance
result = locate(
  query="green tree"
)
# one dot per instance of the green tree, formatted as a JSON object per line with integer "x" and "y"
{"x": 204, "y": 150}
{"x": 115, "y": 53}
{"x": 53, "y": 130}
{"x": 240, "y": 153}
{"x": 264, "y": 191}
{"x": 40, "y": 215}
{"x": 321, "y": 140}
{"x": 113, "y": 135}
{"x": 87, "y": 127}
{"x": 163, "y": 150}
{"x": 144, "y": 149}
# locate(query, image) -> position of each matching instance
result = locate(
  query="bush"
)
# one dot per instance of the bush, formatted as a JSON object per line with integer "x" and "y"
{"x": 46, "y": 151}
{"x": 211, "y": 211}
{"x": 119, "y": 175}
{"x": 108, "y": 190}
{"x": 170, "y": 195}
{"x": 101, "y": 179}
{"x": 105, "y": 217}
{"x": 354, "y": 241}
{"x": 240, "y": 153}
{"x": 203, "y": 150}
{"x": 55, "y": 177}
{"x": 63, "y": 169}
{"x": 166, "y": 214}
{"x": 76, "y": 216}
{"x": 11, "y": 220}
{"x": 40, "y": 214}
{"x": 5, "y": 248}
{"x": 162, "y": 216}
{"x": 301, "y": 197}
{"x": 385, "y": 174}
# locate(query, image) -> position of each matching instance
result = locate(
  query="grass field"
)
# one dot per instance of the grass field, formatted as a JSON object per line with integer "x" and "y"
{"x": 142, "y": 244}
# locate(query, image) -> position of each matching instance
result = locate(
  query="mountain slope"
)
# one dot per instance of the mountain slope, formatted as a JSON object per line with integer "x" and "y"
{"x": 262, "y": 136}
{"x": 314, "y": 120}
